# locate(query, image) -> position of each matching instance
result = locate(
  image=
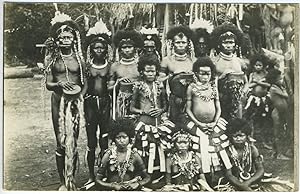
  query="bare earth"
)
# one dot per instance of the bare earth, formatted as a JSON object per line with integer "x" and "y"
{"x": 29, "y": 142}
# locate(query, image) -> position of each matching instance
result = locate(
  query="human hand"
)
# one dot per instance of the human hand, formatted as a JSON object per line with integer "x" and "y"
{"x": 155, "y": 112}
{"x": 211, "y": 125}
{"x": 126, "y": 80}
{"x": 66, "y": 85}
{"x": 116, "y": 186}
{"x": 245, "y": 187}
{"x": 133, "y": 186}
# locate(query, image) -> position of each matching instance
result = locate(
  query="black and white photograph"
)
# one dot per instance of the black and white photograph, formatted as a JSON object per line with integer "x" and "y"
{"x": 164, "y": 97}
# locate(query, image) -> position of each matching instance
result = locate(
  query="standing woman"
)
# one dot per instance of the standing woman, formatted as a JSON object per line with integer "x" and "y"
{"x": 97, "y": 100}
{"x": 65, "y": 77}
{"x": 124, "y": 71}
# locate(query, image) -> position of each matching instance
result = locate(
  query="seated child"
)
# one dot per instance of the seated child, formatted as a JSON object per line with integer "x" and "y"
{"x": 153, "y": 131}
{"x": 184, "y": 171}
{"x": 205, "y": 124}
{"x": 121, "y": 166}
{"x": 247, "y": 163}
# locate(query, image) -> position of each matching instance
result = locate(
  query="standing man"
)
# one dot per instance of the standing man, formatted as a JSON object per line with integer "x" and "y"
{"x": 177, "y": 66}
{"x": 65, "y": 78}
{"x": 124, "y": 71}
{"x": 231, "y": 78}
{"x": 97, "y": 100}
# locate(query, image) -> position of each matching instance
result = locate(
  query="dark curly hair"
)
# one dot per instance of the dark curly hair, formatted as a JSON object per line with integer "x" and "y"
{"x": 180, "y": 29}
{"x": 148, "y": 59}
{"x": 133, "y": 35}
{"x": 125, "y": 125}
{"x": 205, "y": 62}
{"x": 236, "y": 125}
{"x": 240, "y": 39}
{"x": 197, "y": 34}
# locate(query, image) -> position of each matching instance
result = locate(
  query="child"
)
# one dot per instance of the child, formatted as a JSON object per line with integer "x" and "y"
{"x": 150, "y": 102}
{"x": 280, "y": 114}
{"x": 184, "y": 166}
{"x": 122, "y": 166}
{"x": 258, "y": 106}
{"x": 203, "y": 108}
{"x": 247, "y": 162}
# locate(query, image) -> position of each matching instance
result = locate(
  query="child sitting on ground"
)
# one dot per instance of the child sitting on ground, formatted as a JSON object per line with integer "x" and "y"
{"x": 184, "y": 171}
{"x": 247, "y": 162}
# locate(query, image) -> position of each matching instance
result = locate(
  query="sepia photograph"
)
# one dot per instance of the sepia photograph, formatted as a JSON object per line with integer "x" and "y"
{"x": 164, "y": 97}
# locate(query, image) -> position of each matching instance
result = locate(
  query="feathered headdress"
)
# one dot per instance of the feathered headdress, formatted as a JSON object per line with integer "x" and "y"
{"x": 202, "y": 23}
{"x": 63, "y": 22}
{"x": 128, "y": 35}
{"x": 151, "y": 34}
{"x": 98, "y": 32}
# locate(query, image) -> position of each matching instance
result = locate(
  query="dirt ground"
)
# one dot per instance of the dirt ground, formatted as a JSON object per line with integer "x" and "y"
{"x": 29, "y": 142}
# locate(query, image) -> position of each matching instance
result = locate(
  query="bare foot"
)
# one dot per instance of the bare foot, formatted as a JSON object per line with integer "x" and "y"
{"x": 62, "y": 188}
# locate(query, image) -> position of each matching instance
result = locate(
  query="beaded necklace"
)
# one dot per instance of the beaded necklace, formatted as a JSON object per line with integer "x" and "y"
{"x": 199, "y": 89}
{"x": 123, "y": 166}
{"x": 147, "y": 92}
{"x": 187, "y": 167}
{"x": 246, "y": 161}
{"x": 98, "y": 66}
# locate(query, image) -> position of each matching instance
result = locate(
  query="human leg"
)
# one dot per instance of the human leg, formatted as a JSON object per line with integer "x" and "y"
{"x": 60, "y": 152}
{"x": 104, "y": 119}
{"x": 91, "y": 129}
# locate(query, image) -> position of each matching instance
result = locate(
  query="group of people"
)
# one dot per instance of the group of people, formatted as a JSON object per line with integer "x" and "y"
{"x": 168, "y": 123}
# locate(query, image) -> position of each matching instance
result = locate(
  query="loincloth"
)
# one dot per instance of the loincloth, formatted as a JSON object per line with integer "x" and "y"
{"x": 212, "y": 147}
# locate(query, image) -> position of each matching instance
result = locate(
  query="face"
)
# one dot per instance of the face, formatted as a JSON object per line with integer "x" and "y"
{"x": 122, "y": 140}
{"x": 66, "y": 39}
{"x": 258, "y": 66}
{"x": 239, "y": 138}
{"x": 149, "y": 73}
{"x": 127, "y": 51}
{"x": 182, "y": 144}
{"x": 202, "y": 46}
{"x": 180, "y": 44}
{"x": 204, "y": 74}
{"x": 149, "y": 46}
{"x": 228, "y": 46}
{"x": 99, "y": 50}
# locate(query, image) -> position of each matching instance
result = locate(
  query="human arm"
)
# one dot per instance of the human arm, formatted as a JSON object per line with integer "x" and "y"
{"x": 235, "y": 181}
{"x": 258, "y": 162}
{"x": 144, "y": 177}
{"x": 212, "y": 125}
{"x": 163, "y": 73}
{"x": 104, "y": 165}
{"x": 189, "y": 109}
{"x": 85, "y": 82}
